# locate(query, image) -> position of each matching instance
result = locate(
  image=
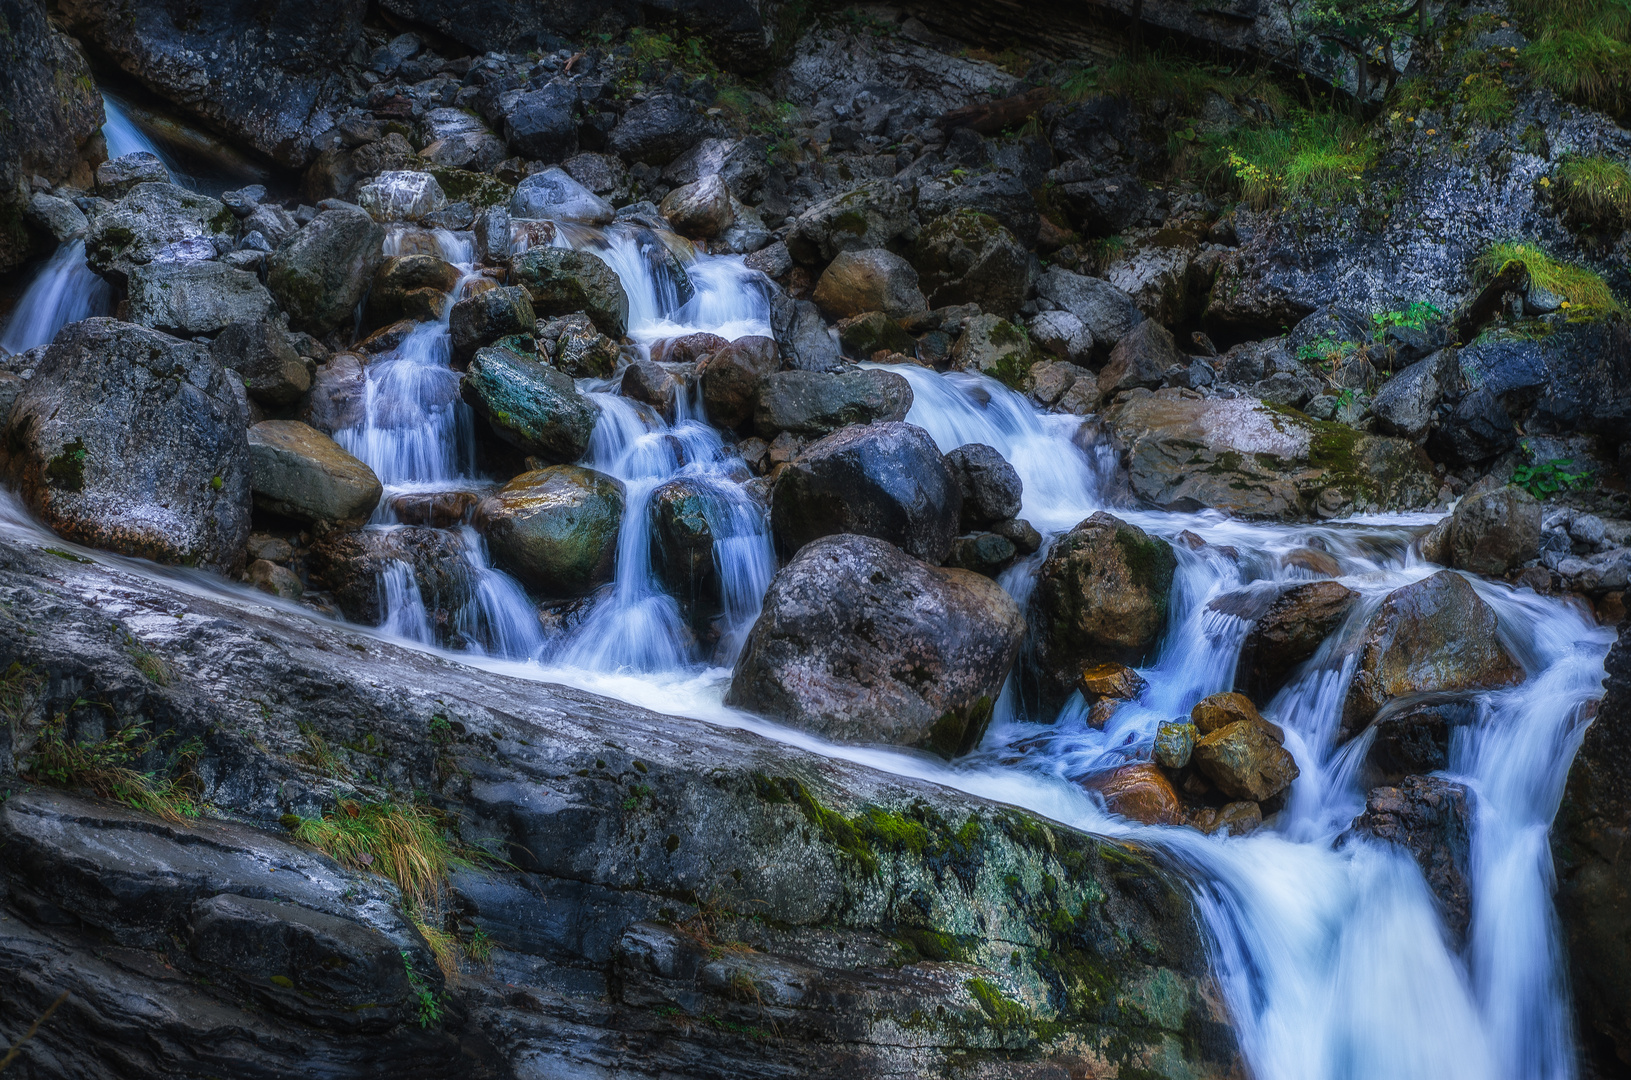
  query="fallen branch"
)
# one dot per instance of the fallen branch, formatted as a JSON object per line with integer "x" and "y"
{"x": 11, "y": 1055}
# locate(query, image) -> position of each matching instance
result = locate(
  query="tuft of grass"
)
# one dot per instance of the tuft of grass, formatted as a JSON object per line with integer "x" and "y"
{"x": 1589, "y": 66}
{"x": 1583, "y": 290}
{"x": 403, "y": 842}
{"x": 1596, "y": 190}
{"x": 319, "y": 756}
{"x": 108, "y": 768}
{"x": 1183, "y": 83}
{"x": 445, "y": 948}
{"x": 149, "y": 663}
{"x": 1317, "y": 157}
{"x": 19, "y": 690}
{"x": 1486, "y": 99}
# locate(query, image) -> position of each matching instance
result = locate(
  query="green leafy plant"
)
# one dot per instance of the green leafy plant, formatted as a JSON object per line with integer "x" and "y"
{"x": 1416, "y": 315}
{"x": 1320, "y": 157}
{"x": 1362, "y": 29}
{"x": 1486, "y": 99}
{"x": 1580, "y": 49}
{"x": 427, "y": 1006}
{"x": 1582, "y": 290}
{"x": 1550, "y": 477}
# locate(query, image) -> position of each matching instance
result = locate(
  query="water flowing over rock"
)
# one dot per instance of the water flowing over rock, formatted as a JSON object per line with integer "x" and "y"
{"x": 556, "y": 529}
{"x": 320, "y": 273}
{"x": 1434, "y": 635}
{"x": 885, "y": 480}
{"x": 1430, "y": 817}
{"x": 529, "y": 405}
{"x": 130, "y": 440}
{"x": 1244, "y": 457}
{"x": 353, "y": 564}
{"x": 415, "y": 287}
{"x": 298, "y": 471}
{"x": 1100, "y": 596}
{"x": 859, "y": 642}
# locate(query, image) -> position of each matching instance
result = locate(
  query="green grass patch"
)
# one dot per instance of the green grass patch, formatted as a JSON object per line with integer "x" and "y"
{"x": 1595, "y": 190}
{"x": 1551, "y": 477}
{"x": 1582, "y": 290}
{"x": 1486, "y": 99}
{"x": 109, "y": 768}
{"x": 1313, "y": 157}
{"x": 401, "y": 841}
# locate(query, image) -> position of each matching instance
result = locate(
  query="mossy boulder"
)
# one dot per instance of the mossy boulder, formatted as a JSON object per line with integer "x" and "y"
{"x": 562, "y": 282}
{"x": 1253, "y": 460}
{"x": 1100, "y": 596}
{"x": 967, "y": 257}
{"x": 870, "y": 216}
{"x": 529, "y": 405}
{"x": 859, "y": 642}
{"x": 555, "y": 529}
{"x": 148, "y": 220}
{"x": 320, "y": 273}
{"x": 998, "y": 348}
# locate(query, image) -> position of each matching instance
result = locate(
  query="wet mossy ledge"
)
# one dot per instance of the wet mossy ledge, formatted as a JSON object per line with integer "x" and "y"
{"x": 649, "y": 888}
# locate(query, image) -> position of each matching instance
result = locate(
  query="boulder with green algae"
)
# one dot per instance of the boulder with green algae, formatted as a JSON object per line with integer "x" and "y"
{"x": 555, "y": 529}
{"x": 529, "y": 405}
{"x": 889, "y": 923}
{"x": 1100, "y": 596}
{"x": 996, "y": 347}
{"x": 562, "y": 282}
{"x": 1253, "y": 460}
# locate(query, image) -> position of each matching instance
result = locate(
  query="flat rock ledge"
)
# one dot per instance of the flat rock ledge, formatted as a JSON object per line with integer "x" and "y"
{"x": 680, "y": 899}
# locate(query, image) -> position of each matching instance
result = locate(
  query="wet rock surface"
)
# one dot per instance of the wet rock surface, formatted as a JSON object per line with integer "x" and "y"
{"x": 1431, "y": 818}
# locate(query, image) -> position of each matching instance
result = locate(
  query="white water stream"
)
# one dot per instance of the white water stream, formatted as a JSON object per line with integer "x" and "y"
{"x": 1335, "y": 963}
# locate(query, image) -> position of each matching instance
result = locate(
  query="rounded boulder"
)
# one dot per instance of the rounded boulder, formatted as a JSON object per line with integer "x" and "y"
{"x": 555, "y": 529}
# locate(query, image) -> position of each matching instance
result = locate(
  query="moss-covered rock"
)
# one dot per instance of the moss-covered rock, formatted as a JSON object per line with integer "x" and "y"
{"x": 556, "y": 529}
{"x": 529, "y": 405}
{"x": 967, "y": 257}
{"x": 998, "y": 348}
{"x": 563, "y": 282}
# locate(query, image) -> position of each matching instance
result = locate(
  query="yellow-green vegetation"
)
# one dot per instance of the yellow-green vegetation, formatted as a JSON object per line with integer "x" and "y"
{"x": 108, "y": 768}
{"x": 318, "y": 755}
{"x": 1583, "y": 290}
{"x": 401, "y": 841}
{"x": 1581, "y": 49}
{"x": 1596, "y": 190}
{"x": 1486, "y": 99}
{"x": 1182, "y": 83}
{"x": 1313, "y": 157}
{"x": 19, "y": 689}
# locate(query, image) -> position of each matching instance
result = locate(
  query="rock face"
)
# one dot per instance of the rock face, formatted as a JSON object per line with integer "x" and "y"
{"x": 1589, "y": 847}
{"x": 556, "y": 529}
{"x": 1489, "y": 534}
{"x": 1100, "y": 596}
{"x": 52, "y": 110}
{"x": 196, "y": 298}
{"x": 1293, "y": 627}
{"x": 658, "y": 130}
{"x": 1431, "y": 818}
{"x": 270, "y": 79}
{"x": 820, "y": 402}
{"x": 969, "y": 258}
{"x": 534, "y": 408}
{"x": 859, "y": 642}
{"x": 155, "y": 220}
{"x": 319, "y": 273}
{"x": 259, "y": 351}
{"x": 1245, "y": 458}
{"x": 878, "y": 897}
{"x": 298, "y": 471}
{"x": 870, "y": 280}
{"x": 563, "y": 282}
{"x": 1433, "y": 635}
{"x": 130, "y": 440}
{"x": 884, "y": 480}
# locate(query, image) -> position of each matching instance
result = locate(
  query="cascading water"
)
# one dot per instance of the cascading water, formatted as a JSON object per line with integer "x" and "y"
{"x": 66, "y": 290}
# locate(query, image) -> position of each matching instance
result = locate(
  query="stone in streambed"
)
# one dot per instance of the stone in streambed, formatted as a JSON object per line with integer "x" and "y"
{"x": 117, "y": 176}
{"x": 555, "y": 529}
{"x": 133, "y": 441}
{"x": 320, "y": 273}
{"x": 1101, "y": 595}
{"x": 682, "y": 549}
{"x": 701, "y": 210}
{"x": 859, "y": 642}
{"x": 1117, "y": 681}
{"x": 1140, "y": 358}
{"x": 731, "y": 376}
{"x": 967, "y": 257}
{"x": 401, "y": 196}
{"x": 1436, "y": 634}
{"x": 195, "y": 298}
{"x": 1489, "y": 534}
{"x": 872, "y": 280}
{"x": 416, "y": 287}
{"x": 984, "y": 553}
{"x": 1174, "y": 743}
{"x": 820, "y": 402}
{"x": 150, "y": 219}
{"x": 259, "y": 351}
{"x": 1290, "y": 631}
{"x": 1431, "y": 818}
{"x": 554, "y": 195}
{"x": 532, "y": 407}
{"x": 991, "y": 487}
{"x": 352, "y": 563}
{"x": 649, "y": 382}
{"x": 1244, "y": 761}
{"x": 1139, "y": 791}
{"x": 563, "y": 282}
{"x": 1236, "y": 818}
{"x": 489, "y": 315}
{"x": 1220, "y": 710}
{"x": 298, "y": 471}
{"x": 885, "y": 480}
{"x": 996, "y": 348}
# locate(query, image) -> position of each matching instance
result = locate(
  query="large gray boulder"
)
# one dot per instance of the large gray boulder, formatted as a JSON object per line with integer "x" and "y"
{"x": 658, "y": 129}
{"x": 859, "y": 642}
{"x": 885, "y": 480}
{"x": 320, "y": 272}
{"x": 529, "y": 405}
{"x": 819, "y": 402}
{"x": 1106, "y": 311}
{"x": 259, "y": 351}
{"x": 870, "y": 216}
{"x": 297, "y": 471}
{"x": 154, "y": 221}
{"x": 196, "y": 297}
{"x": 117, "y": 176}
{"x": 563, "y": 282}
{"x": 967, "y": 257}
{"x": 555, "y": 529}
{"x": 554, "y": 195}
{"x": 129, "y": 440}
{"x": 543, "y": 125}
{"x": 1404, "y": 405}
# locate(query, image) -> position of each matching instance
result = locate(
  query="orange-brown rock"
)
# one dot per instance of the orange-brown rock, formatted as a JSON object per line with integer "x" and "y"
{"x": 1139, "y": 791}
{"x": 1236, "y": 818}
{"x": 1111, "y": 680}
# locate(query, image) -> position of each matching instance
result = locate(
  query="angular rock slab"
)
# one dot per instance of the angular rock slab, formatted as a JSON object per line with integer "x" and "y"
{"x": 298, "y": 471}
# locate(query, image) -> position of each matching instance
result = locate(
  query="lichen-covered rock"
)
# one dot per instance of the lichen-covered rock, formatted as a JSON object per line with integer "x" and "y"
{"x": 864, "y": 334}
{"x": 555, "y": 195}
{"x": 730, "y": 379}
{"x": 563, "y": 282}
{"x": 320, "y": 273}
{"x": 859, "y": 642}
{"x": 1000, "y": 193}
{"x": 298, "y": 471}
{"x": 489, "y": 315}
{"x": 1489, "y": 534}
{"x": 867, "y": 217}
{"x": 873, "y": 279}
{"x": 885, "y": 480}
{"x": 1433, "y": 635}
{"x": 820, "y": 402}
{"x": 151, "y": 219}
{"x": 1246, "y": 458}
{"x": 555, "y": 529}
{"x": 1106, "y": 311}
{"x": 259, "y": 351}
{"x": 130, "y": 440}
{"x": 1165, "y": 272}
{"x": 991, "y": 488}
{"x": 195, "y": 298}
{"x": 997, "y": 348}
{"x": 401, "y": 196}
{"x": 116, "y": 176}
{"x": 967, "y": 257}
{"x": 1101, "y": 595}
{"x": 1244, "y": 761}
{"x": 701, "y": 210}
{"x": 529, "y": 405}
